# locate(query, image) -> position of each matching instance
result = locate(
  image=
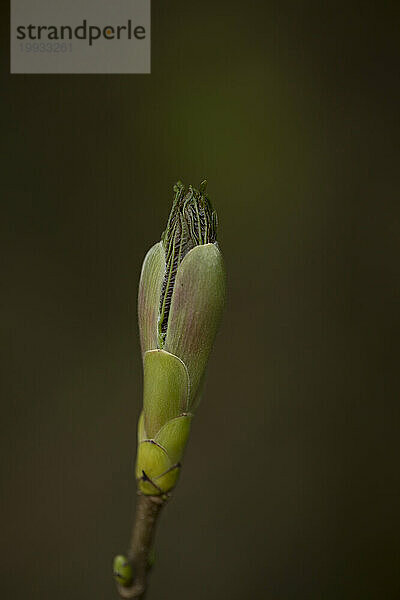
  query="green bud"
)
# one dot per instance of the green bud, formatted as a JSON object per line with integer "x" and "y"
{"x": 181, "y": 296}
{"x": 123, "y": 573}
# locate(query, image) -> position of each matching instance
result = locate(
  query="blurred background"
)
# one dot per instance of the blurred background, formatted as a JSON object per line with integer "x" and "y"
{"x": 290, "y": 487}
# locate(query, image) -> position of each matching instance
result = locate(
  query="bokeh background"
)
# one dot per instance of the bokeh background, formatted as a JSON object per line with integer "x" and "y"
{"x": 290, "y": 483}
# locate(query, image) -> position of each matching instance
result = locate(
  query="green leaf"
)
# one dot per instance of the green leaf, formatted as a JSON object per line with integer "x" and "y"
{"x": 151, "y": 280}
{"x": 173, "y": 437}
{"x": 196, "y": 308}
{"x": 166, "y": 389}
{"x": 154, "y": 465}
{"x": 142, "y": 435}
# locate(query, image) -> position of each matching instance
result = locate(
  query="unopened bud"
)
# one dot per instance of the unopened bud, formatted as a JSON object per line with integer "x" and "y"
{"x": 181, "y": 296}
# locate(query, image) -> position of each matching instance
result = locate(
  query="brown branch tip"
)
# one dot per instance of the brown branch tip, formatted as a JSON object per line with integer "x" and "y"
{"x": 139, "y": 556}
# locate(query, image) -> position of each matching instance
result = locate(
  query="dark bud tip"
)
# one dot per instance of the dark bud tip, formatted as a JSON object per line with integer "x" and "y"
{"x": 192, "y": 222}
{"x": 178, "y": 186}
{"x": 203, "y": 186}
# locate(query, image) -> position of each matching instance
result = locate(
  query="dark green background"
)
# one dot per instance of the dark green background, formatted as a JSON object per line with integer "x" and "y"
{"x": 290, "y": 483}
